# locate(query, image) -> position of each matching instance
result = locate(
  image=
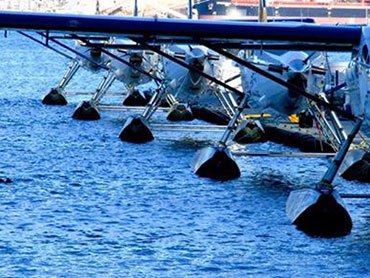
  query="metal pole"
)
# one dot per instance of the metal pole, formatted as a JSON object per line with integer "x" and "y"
{"x": 43, "y": 44}
{"x": 326, "y": 182}
{"x": 135, "y": 8}
{"x": 190, "y": 9}
{"x": 231, "y": 125}
{"x": 73, "y": 68}
{"x": 74, "y": 51}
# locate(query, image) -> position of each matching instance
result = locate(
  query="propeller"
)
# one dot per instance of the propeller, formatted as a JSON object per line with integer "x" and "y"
{"x": 124, "y": 51}
{"x": 213, "y": 57}
{"x": 180, "y": 55}
{"x": 95, "y": 53}
{"x": 277, "y": 68}
{"x": 318, "y": 70}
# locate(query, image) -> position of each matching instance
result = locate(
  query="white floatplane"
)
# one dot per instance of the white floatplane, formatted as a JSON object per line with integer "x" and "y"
{"x": 318, "y": 211}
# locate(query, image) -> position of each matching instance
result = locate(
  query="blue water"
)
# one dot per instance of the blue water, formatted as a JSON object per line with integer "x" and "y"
{"x": 84, "y": 204}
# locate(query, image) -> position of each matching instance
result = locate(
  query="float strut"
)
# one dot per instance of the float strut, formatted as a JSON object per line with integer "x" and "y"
{"x": 72, "y": 69}
{"x": 326, "y": 182}
{"x": 217, "y": 162}
{"x": 56, "y": 96}
{"x": 104, "y": 85}
{"x": 231, "y": 125}
{"x": 154, "y": 103}
{"x": 321, "y": 211}
{"x": 136, "y": 129}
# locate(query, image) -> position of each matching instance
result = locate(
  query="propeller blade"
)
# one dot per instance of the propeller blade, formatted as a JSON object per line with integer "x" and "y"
{"x": 179, "y": 56}
{"x": 124, "y": 51}
{"x": 213, "y": 57}
{"x": 317, "y": 70}
{"x": 277, "y": 68}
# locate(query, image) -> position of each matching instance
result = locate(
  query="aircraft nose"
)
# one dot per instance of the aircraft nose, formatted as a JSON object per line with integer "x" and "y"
{"x": 293, "y": 101}
{"x": 298, "y": 79}
{"x": 136, "y": 59}
{"x": 197, "y": 63}
{"x": 95, "y": 53}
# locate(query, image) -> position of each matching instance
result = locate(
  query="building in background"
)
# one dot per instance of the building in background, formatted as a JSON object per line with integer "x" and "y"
{"x": 323, "y": 11}
{"x": 160, "y": 8}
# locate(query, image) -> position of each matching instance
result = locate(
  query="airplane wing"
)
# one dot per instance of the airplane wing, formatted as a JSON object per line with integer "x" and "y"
{"x": 185, "y": 31}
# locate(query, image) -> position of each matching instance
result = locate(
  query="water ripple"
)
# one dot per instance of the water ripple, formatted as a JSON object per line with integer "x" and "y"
{"x": 84, "y": 204}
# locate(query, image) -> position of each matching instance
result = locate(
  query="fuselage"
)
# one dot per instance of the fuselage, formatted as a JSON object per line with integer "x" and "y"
{"x": 266, "y": 95}
{"x": 95, "y": 57}
{"x": 185, "y": 84}
{"x": 141, "y": 61}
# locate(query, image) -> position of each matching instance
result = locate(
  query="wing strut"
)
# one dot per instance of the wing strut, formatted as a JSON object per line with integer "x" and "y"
{"x": 326, "y": 182}
{"x": 72, "y": 50}
{"x": 46, "y": 45}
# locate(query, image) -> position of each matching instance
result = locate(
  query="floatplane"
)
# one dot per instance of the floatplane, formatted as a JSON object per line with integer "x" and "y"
{"x": 105, "y": 54}
{"x": 317, "y": 211}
